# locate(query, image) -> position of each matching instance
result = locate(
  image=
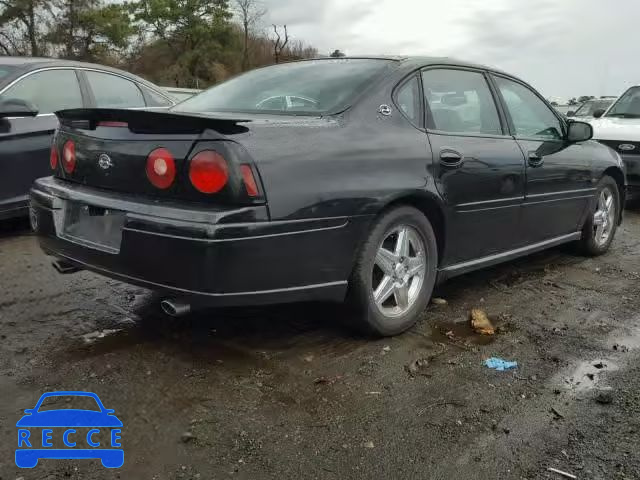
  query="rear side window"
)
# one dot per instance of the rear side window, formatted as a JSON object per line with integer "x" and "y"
{"x": 531, "y": 117}
{"x": 408, "y": 100}
{"x": 111, "y": 91}
{"x": 460, "y": 102}
{"x": 154, "y": 99}
{"x": 49, "y": 90}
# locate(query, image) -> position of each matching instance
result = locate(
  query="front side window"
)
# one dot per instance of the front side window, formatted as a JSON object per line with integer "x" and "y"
{"x": 111, "y": 91}
{"x": 627, "y": 106}
{"x": 49, "y": 90}
{"x": 460, "y": 102}
{"x": 408, "y": 100}
{"x": 531, "y": 117}
{"x": 311, "y": 87}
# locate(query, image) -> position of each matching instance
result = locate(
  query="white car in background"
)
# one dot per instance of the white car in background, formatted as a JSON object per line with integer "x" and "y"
{"x": 619, "y": 128}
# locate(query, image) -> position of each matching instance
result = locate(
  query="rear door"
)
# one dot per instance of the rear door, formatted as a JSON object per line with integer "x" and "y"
{"x": 25, "y": 142}
{"x": 479, "y": 168}
{"x": 558, "y": 173}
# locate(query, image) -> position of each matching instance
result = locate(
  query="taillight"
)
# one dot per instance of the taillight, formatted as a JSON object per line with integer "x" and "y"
{"x": 69, "y": 156}
{"x": 53, "y": 157}
{"x": 112, "y": 124}
{"x": 249, "y": 180}
{"x": 208, "y": 172}
{"x": 161, "y": 168}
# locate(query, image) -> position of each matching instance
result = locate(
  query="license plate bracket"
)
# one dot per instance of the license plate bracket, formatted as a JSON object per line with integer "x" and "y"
{"x": 92, "y": 226}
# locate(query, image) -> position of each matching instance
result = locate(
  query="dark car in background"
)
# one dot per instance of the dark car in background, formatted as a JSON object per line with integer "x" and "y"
{"x": 31, "y": 90}
{"x": 393, "y": 174}
{"x": 591, "y": 108}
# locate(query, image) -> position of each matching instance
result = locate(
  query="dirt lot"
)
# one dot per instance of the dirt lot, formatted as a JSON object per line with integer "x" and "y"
{"x": 286, "y": 392}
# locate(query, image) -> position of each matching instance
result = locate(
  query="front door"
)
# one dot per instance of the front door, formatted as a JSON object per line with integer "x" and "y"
{"x": 479, "y": 167}
{"x": 558, "y": 175}
{"x": 25, "y": 143}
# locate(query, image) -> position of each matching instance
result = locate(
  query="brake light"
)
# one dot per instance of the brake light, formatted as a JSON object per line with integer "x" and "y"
{"x": 249, "y": 180}
{"x": 53, "y": 157}
{"x": 112, "y": 124}
{"x": 161, "y": 168}
{"x": 208, "y": 172}
{"x": 69, "y": 156}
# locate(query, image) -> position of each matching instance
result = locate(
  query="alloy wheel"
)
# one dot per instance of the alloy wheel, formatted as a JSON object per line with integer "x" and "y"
{"x": 604, "y": 217}
{"x": 398, "y": 271}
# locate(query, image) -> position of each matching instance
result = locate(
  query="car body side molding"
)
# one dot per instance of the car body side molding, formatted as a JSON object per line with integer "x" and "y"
{"x": 460, "y": 268}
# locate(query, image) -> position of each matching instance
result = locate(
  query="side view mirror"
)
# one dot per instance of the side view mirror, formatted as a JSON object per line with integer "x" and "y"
{"x": 15, "y": 107}
{"x": 598, "y": 112}
{"x": 29, "y": 411}
{"x": 579, "y": 132}
{"x": 109, "y": 411}
{"x": 570, "y": 113}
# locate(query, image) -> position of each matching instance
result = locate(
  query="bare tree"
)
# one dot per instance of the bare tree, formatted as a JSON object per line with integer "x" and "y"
{"x": 250, "y": 13}
{"x": 279, "y": 44}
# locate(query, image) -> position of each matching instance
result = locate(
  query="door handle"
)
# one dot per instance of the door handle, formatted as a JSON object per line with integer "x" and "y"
{"x": 535, "y": 160}
{"x": 451, "y": 158}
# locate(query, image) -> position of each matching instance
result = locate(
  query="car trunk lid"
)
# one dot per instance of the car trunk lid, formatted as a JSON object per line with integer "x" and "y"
{"x": 112, "y": 148}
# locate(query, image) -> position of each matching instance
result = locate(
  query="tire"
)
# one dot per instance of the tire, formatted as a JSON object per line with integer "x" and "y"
{"x": 593, "y": 243}
{"x": 410, "y": 292}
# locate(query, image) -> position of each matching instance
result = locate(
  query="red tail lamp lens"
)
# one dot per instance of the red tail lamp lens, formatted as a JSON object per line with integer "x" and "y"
{"x": 161, "y": 168}
{"x": 112, "y": 124}
{"x": 53, "y": 157}
{"x": 208, "y": 172}
{"x": 249, "y": 180}
{"x": 69, "y": 156}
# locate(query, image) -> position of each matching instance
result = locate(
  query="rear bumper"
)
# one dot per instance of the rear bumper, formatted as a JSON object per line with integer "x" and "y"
{"x": 221, "y": 257}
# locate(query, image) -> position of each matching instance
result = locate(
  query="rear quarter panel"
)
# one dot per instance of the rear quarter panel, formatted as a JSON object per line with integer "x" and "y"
{"x": 348, "y": 165}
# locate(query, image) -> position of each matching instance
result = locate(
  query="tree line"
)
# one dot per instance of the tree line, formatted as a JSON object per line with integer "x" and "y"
{"x": 183, "y": 43}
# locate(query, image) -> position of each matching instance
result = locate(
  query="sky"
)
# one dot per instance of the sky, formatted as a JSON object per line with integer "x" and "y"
{"x": 564, "y": 48}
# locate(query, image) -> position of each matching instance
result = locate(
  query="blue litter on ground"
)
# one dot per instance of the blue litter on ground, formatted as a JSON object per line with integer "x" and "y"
{"x": 500, "y": 364}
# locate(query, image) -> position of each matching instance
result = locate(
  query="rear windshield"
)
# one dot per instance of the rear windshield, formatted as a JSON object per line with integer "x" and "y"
{"x": 312, "y": 87}
{"x": 588, "y": 108}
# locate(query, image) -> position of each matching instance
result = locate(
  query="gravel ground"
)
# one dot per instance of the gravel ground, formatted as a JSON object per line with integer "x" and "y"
{"x": 287, "y": 392}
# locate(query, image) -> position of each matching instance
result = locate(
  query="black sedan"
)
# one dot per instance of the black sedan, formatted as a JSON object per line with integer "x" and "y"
{"x": 31, "y": 89}
{"x": 365, "y": 179}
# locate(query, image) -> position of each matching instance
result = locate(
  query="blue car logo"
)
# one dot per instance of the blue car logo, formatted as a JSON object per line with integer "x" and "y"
{"x": 83, "y": 433}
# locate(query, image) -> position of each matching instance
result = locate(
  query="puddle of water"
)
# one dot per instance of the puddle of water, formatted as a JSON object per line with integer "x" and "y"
{"x": 443, "y": 332}
{"x": 586, "y": 375}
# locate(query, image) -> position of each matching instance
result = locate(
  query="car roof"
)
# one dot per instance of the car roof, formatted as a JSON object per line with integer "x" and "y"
{"x": 417, "y": 61}
{"x": 25, "y": 64}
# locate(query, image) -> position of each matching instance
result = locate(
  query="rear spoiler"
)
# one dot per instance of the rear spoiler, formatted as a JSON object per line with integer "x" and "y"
{"x": 150, "y": 121}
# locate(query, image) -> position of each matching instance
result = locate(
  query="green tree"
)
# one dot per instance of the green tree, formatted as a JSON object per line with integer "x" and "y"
{"x": 196, "y": 35}
{"x": 91, "y": 30}
{"x": 22, "y": 26}
{"x": 337, "y": 54}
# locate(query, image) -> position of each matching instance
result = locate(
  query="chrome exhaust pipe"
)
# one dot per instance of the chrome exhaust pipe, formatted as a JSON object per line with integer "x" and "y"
{"x": 175, "y": 308}
{"x": 64, "y": 268}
